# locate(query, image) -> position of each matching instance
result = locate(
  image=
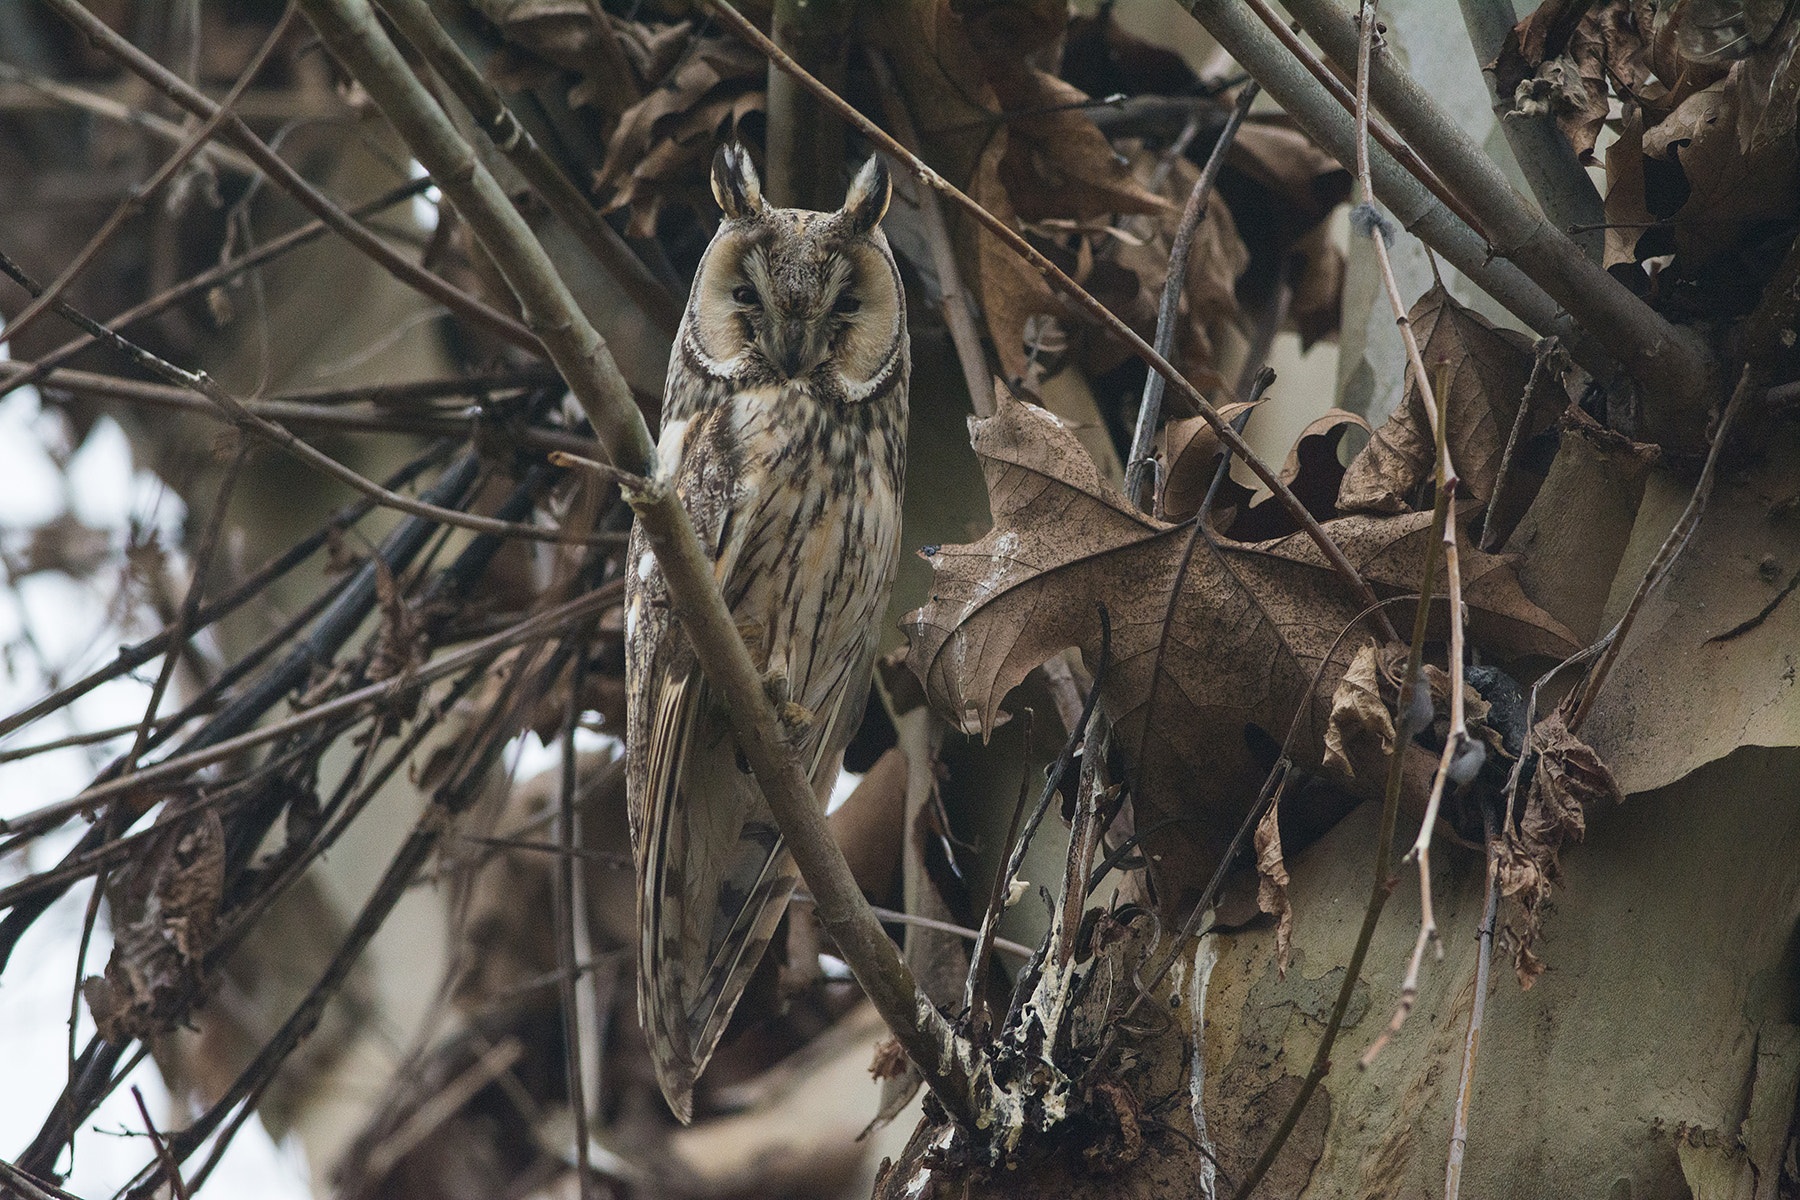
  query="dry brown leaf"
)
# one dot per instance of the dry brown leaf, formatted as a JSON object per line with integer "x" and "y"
{"x": 1316, "y": 309}
{"x": 662, "y": 150}
{"x": 1731, "y": 187}
{"x": 1272, "y": 883}
{"x": 1569, "y": 777}
{"x": 1250, "y": 625}
{"x": 1358, "y": 711}
{"x": 1009, "y": 31}
{"x": 1307, "y": 182}
{"x": 890, "y": 1059}
{"x": 1132, "y": 262}
{"x": 1282, "y": 188}
{"x": 1311, "y": 471}
{"x": 1627, "y": 215}
{"x": 1487, "y": 370}
{"x": 165, "y": 905}
{"x": 1012, "y": 292}
{"x": 1190, "y": 459}
{"x": 1057, "y": 162}
{"x": 1588, "y": 53}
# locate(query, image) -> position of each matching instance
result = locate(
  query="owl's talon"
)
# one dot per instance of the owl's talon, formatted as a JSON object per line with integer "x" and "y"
{"x": 795, "y": 719}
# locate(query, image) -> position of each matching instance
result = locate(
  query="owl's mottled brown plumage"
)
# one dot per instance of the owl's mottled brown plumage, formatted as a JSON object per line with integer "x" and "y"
{"x": 784, "y": 431}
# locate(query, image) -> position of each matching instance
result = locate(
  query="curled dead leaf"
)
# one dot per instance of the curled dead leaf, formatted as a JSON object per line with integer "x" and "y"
{"x": 1272, "y": 883}
{"x": 1012, "y": 293}
{"x": 1487, "y": 369}
{"x": 1190, "y": 459}
{"x": 1358, "y": 711}
{"x": 164, "y": 904}
{"x": 1312, "y": 471}
{"x": 662, "y": 150}
{"x": 1057, "y": 163}
{"x": 1569, "y": 777}
{"x": 890, "y": 1060}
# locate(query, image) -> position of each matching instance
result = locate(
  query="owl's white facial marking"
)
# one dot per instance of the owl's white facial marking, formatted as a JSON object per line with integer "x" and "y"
{"x": 785, "y": 295}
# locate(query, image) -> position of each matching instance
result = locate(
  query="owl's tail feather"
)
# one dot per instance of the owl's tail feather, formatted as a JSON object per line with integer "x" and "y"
{"x": 688, "y": 995}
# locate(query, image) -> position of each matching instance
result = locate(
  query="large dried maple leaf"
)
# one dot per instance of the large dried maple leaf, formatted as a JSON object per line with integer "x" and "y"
{"x": 1238, "y": 647}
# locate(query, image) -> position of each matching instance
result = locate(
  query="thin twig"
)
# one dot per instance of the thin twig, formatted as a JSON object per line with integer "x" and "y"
{"x": 959, "y": 305}
{"x": 139, "y": 196}
{"x": 246, "y": 419}
{"x": 1435, "y": 401}
{"x": 379, "y": 416}
{"x": 222, "y": 157}
{"x": 566, "y": 950}
{"x": 225, "y": 271}
{"x": 357, "y": 40}
{"x": 1459, "y": 1129}
{"x": 416, "y": 22}
{"x": 1060, "y": 281}
{"x": 156, "y": 1140}
{"x": 974, "y": 994}
{"x": 1140, "y": 469}
{"x": 130, "y": 658}
{"x": 569, "y": 613}
{"x": 1339, "y": 91}
{"x": 895, "y": 917}
{"x": 1751, "y": 382}
{"x": 1379, "y": 889}
{"x": 190, "y": 604}
{"x": 1272, "y": 785}
{"x": 403, "y": 269}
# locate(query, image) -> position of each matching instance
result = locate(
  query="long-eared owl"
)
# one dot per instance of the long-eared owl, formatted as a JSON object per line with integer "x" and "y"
{"x": 784, "y": 433}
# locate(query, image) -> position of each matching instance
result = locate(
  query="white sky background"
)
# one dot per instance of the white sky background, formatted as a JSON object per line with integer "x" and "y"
{"x": 52, "y": 624}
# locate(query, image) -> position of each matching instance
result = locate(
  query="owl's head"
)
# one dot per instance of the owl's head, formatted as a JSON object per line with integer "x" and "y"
{"x": 787, "y": 294}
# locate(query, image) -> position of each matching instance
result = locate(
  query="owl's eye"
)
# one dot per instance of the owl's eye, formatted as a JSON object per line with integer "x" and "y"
{"x": 845, "y": 305}
{"x": 743, "y": 293}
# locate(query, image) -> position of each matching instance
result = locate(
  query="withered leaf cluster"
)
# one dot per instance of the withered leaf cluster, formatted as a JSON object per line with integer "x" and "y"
{"x": 1210, "y": 636}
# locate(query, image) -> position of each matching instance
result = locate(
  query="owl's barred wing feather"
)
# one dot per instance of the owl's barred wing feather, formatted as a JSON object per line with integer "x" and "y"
{"x": 716, "y": 877}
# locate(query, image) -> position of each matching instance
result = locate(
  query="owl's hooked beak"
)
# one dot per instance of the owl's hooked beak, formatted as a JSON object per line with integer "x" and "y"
{"x": 794, "y": 346}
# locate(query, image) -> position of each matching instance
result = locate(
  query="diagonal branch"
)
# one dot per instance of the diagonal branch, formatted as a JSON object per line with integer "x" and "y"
{"x": 949, "y": 1064}
{"x": 953, "y": 1069}
{"x": 1325, "y": 120}
{"x": 1671, "y": 364}
{"x": 416, "y": 22}
{"x": 1556, "y": 177}
{"x": 355, "y": 38}
{"x": 139, "y": 196}
{"x": 315, "y": 201}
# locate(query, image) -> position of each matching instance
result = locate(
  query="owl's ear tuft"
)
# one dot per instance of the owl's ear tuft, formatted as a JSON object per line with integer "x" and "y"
{"x": 734, "y": 182}
{"x": 870, "y": 192}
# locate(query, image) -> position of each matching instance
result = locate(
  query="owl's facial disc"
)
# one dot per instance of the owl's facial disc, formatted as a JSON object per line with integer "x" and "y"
{"x": 796, "y": 297}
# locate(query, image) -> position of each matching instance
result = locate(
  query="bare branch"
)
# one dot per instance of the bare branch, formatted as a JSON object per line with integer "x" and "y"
{"x": 416, "y": 22}
{"x": 1561, "y": 184}
{"x": 355, "y": 37}
{"x": 321, "y": 206}
{"x": 1671, "y": 364}
{"x": 1141, "y": 462}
